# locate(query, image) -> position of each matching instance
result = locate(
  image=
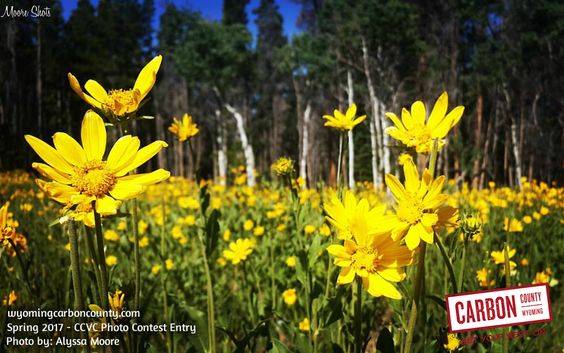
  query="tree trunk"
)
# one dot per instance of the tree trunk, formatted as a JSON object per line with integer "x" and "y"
{"x": 247, "y": 148}
{"x": 385, "y": 149}
{"x": 516, "y": 153}
{"x": 350, "y": 96}
{"x": 221, "y": 140}
{"x": 304, "y": 155}
{"x": 374, "y": 122}
{"x": 477, "y": 140}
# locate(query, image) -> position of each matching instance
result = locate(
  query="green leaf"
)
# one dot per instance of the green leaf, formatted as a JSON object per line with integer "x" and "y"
{"x": 204, "y": 199}
{"x": 212, "y": 232}
{"x": 279, "y": 347}
{"x": 385, "y": 342}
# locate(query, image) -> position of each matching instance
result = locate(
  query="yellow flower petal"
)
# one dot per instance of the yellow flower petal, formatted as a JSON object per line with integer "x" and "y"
{"x": 142, "y": 156}
{"x": 122, "y": 152}
{"x": 411, "y": 177}
{"x": 69, "y": 149}
{"x": 338, "y": 251}
{"x": 107, "y": 206}
{"x": 148, "y": 178}
{"x": 49, "y": 154}
{"x": 147, "y": 77}
{"x": 378, "y": 286}
{"x": 392, "y": 274}
{"x": 351, "y": 112}
{"x": 439, "y": 111}
{"x": 394, "y": 118}
{"x": 93, "y": 136}
{"x": 448, "y": 122}
{"x": 395, "y": 186}
{"x": 51, "y": 173}
{"x": 418, "y": 113}
{"x": 412, "y": 238}
{"x": 125, "y": 190}
{"x": 406, "y": 119}
{"x": 75, "y": 86}
{"x": 96, "y": 90}
{"x": 346, "y": 276}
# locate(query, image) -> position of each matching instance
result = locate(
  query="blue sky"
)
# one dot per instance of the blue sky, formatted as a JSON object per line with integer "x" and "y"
{"x": 211, "y": 10}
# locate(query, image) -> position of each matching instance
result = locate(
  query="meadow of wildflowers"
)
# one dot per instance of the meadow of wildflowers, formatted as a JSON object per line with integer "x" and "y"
{"x": 274, "y": 267}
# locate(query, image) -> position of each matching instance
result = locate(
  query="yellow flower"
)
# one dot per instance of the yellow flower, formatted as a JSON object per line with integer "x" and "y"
{"x": 283, "y": 166}
{"x": 344, "y": 122}
{"x": 142, "y": 226}
{"x": 498, "y": 257}
{"x": 304, "y": 325}
{"x": 122, "y": 225}
{"x": 544, "y": 211}
{"x": 10, "y": 299}
{"x": 116, "y": 300}
{"x": 368, "y": 250}
{"x": 188, "y": 202}
{"x": 119, "y": 102}
{"x": 239, "y": 250}
{"x": 184, "y": 129}
{"x": 525, "y": 262}
{"x": 281, "y": 227}
{"x": 111, "y": 260}
{"x": 291, "y": 261}
{"x": 541, "y": 277}
{"x": 143, "y": 242}
{"x": 452, "y": 342}
{"x": 527, "y": 220}
{"x": 536, "y": 215}
{"x": 176, "y": 232}
{"x": 259, "y": 231}
{"x": 8, "y": 233}
{"x": 512, "y": 226}
{"x": 404, "y": 158}
{"x": 325, "y": 230}
{"x": 482, "y": 277}
{"x": 417, "y": 205}
{"x": 111, "y": 235}
{"x": 414, "y": 131}
{"x": 248, "y": 225}
{"x": 309, "y": 229}
{"x": 80, "y": 175}
{"x": 169, "y": 264}
{"x": 155, "y": 269}
{"x": 290, "y": 296}
{"x": 227, "y": 235}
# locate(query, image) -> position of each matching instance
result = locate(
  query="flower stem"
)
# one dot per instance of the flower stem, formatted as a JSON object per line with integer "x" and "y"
{"x": 137, "y": 265}
{"x": 507, "y": 265}
{"x": 210, "y": 302}
{"x": 419, "y": 277}
{"x": 96, "y": 261}
{"x": 358, "y": 318}
{"x": 76, "y": 277}
{"x": 447, "y": 262}
{"x": 101, "y": 257}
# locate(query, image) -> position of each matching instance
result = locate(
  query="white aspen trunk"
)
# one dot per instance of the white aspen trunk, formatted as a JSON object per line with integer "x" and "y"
{"x": 516, "y": 153}
{"x": 221, "y": 149}
{"x": 385, "y": 141}
{"x": 350, "y": 95}
{"x": 305, "y": 142}
{"x": 247, "y": 148}
{"x": 374, "y": 122}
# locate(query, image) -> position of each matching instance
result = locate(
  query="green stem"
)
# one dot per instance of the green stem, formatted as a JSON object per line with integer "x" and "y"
{"x": 507, "y": 265}
{"x": 23, "y": 268}
{"x": 95, "y": 260}
{"x": 137, "y": 265}
{"x": 462, "y": 266}
{"x": 358, "y": 318}
{"x": 163, "y": 277}
{"x": 76, "y": 277}
{"x": 210, "y": 302}
{"x": 420, "y": 275}
{"x": 447, "y": 262}
{"x": 101, "y": 256}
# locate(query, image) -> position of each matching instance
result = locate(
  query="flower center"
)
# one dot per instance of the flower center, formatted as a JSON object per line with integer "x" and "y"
{"x": 121, "y": 101}
{"x": 418, "y": 135}
{"x": 93, "y": 179}
{"x": 410, "y": 210}
{"x": 365, "y": 259}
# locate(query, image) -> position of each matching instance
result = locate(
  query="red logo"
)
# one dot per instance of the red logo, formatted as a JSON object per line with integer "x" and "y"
{"x": 498, "y": 308}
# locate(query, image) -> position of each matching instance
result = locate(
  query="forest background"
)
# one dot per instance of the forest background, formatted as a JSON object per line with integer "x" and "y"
{"x": 258, "y": 95}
